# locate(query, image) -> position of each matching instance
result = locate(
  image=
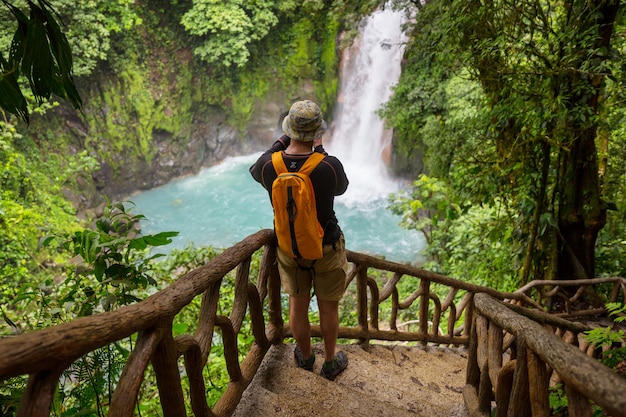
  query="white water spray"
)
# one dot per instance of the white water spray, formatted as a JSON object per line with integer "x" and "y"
{"x": 369, "y": 70}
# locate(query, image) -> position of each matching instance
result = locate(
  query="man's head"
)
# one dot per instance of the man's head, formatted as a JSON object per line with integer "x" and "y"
{"x": 304, "y": 121}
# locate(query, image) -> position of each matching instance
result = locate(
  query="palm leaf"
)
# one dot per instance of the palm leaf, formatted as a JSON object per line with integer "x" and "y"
{"x": 41, "y": 52}
{"x": 11, "y": 97}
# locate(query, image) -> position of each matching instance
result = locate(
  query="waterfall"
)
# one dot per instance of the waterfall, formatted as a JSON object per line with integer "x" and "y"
{"x": 223, "y": 204}
{"x": 358, "y": 137}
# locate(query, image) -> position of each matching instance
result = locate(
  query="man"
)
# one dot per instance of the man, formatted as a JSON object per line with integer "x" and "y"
{"x": 303, "y": 128}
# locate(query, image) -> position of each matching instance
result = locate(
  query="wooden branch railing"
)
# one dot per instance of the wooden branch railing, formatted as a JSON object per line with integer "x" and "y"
{"x": 517, "y": 373}
{"x": 45, "y": 354}
{"x": 547, "y": 292}
{"x": 426, "y": 307}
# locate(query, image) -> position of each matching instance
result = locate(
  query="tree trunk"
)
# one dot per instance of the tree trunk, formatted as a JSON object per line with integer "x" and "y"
{"x": 582, "y": 213}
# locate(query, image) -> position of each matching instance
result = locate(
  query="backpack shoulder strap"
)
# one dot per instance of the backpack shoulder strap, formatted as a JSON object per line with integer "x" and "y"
{"x": 279, "y": 163}
{"x": 312, "y": 161}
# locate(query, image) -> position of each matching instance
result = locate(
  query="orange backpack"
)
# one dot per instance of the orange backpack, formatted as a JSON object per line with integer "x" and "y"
{"x": 298, "y": 231}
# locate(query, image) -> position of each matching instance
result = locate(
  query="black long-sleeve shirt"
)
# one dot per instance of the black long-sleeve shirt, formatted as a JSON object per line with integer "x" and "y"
{"x": 328, "y": 178}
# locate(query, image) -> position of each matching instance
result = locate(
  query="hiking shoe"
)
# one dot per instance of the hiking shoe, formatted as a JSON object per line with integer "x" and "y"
{"x": 340, "y": 363}
{"x": 306, "y": 364}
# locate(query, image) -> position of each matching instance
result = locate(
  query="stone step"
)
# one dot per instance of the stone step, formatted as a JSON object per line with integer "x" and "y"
{"x": 436, "y": 366}
{"x": 430, "y": 386}
{"x": 260, "y": 402}
{"x": 380, "y": 381}
{"x": 326, "y": 397}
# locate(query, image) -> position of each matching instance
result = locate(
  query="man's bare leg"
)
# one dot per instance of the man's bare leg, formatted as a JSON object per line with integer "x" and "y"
{"x": 329, "y": 324}
{"x": 299, "y": 323}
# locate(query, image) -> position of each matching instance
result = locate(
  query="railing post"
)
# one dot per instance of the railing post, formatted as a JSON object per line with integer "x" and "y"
{"x": 241, "y": 295}
{"x": 361, "y": 306}
{"x": 485, "y": 389}
{"x": 256, "y": 316}
{"x": 473, "y": 377}
{"x": 577, "y": 404}
{"x": 125, "y": 395}
{"x": 472, "y": 373}
{"x": 38, "y": 395}
{"x": 194, "y": 366}
{"x": 165, "y": 365}
{"x": 206, "y": 319}
{"x": 538, "y": 382}
{"x": 424, "y": 300}
{"x": 519, "y": 406}
{"x": 274, "y": 306}
{"x": 470, "y": 311}
{"x": 371, "y": 283}
{"x": 495, "y": 351}
{"x": 395, "y": 301}
{"x": 231, "y": 351}
{"x": 267, "y": 262}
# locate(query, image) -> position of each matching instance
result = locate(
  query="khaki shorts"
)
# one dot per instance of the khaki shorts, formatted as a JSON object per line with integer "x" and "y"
{"x": 327, "y": 275}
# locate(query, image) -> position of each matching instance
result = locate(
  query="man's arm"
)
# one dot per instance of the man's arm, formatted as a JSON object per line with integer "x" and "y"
{"x": 256, "y": 170}
{"x": 342, "y": 178}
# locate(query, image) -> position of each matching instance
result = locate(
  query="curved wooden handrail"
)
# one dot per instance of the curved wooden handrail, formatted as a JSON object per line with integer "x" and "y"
{"x": 520, "y": 387}
{"x": 420, "y": 299}
{"x": 36, "y": 351}
{"x": 46, "y": 353}
{"x": 405, "y": 269}
{"x": 547, "y": 290}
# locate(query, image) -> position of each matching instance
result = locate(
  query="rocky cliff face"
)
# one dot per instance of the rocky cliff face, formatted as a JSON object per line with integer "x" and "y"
{"x": 135, "y": 157}
{"x": 210, "y": 140}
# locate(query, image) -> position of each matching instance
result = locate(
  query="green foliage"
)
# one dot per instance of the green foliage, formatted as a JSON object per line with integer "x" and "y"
{"x": 115, "y": 257}
{"x": 427, "y": 206}
{"x": 609, "y": 338}
{"x": 48, "y": 54}
{"x": 134, "y": 114}
{"x": 180, "y": 261}
{"x": 506, "y": 99}
{"x": 88, "y": 26}
{"x": 601, "y": 336}
{"x": 278, "y": 63}
{"x": 559, "y": 404}
{"x": 87, "y": 32}
{"x": 87, "y": 385}
{"x": 475, "y": 243}
{"x": 32, "y": 205}
{"x": 612, "y": 154}
{"x": 121, "y": 15}
{"x": 484, "y": 249}
{"x": 420, "y": 96}
{"x": 328, "y": 75}
{"x": 558, "y": 400}
{"x": 616, "y": 309}
{"x": 226, "y": 28}
{"x": 10, "y": 395}
{"x": 110, "y": 268}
